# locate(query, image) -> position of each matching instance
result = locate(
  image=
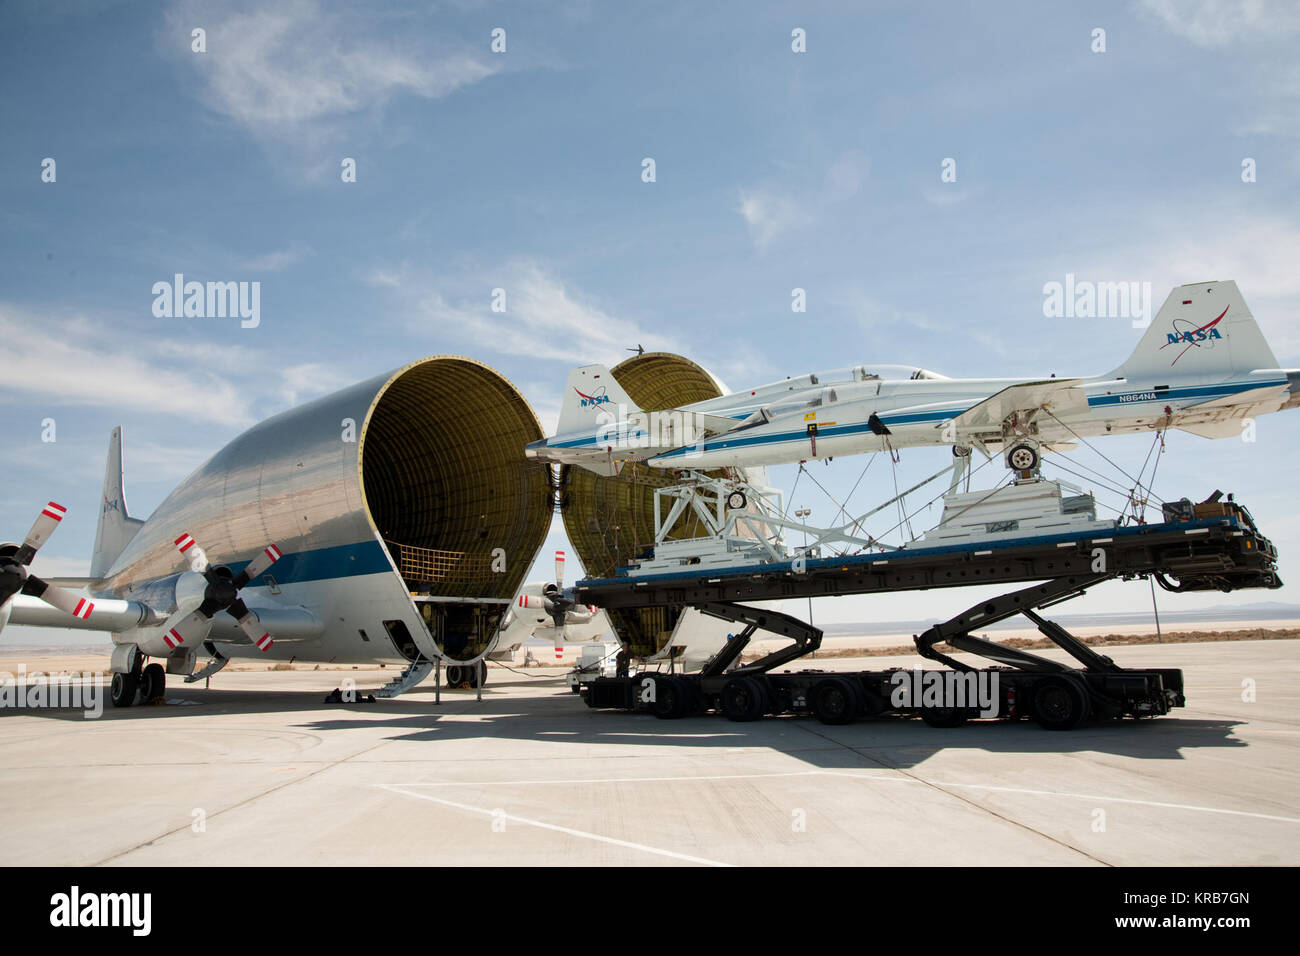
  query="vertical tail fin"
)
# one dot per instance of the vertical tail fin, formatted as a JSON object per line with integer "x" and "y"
{"x": 592, "y": 397}
{"x": 116, "y": 527}
{"x": 1202, "y": 329}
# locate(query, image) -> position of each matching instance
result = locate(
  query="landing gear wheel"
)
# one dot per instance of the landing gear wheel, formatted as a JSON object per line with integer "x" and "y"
{"x": 476, "y": 674}
{"x": 672, "y": 698}
{"x": 743, "y": 699}
{"x": 122, "y": 689}
{"x": 1022, "y": 457}
{"x": 736, "y": 501}
{"x": 943, "y": 716}
{"x": 455, "y": 675}
{"x": 153, "y": 683}
{"x": 1060, "y": 704}
{"x": 835, "y": 701}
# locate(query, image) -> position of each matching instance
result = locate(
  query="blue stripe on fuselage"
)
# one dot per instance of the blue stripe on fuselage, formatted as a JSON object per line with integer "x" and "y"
{"x": 298, "y": 567}
{"x": 1126, "y": 399}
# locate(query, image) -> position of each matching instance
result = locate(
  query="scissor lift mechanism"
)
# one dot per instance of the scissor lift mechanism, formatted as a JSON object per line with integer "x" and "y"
{"x": 1221, "y": 553}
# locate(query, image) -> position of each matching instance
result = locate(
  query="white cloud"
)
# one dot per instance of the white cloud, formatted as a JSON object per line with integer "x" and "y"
{"x": 768, "y": 215}
{"x": 278, "y": 260}
{"x": 770, "y": 211}
{"x": 1217, "y": 23}
{"x": 280, "y": 68}
{"x": 67, "y": 359}
{"x": 544, "y": 318}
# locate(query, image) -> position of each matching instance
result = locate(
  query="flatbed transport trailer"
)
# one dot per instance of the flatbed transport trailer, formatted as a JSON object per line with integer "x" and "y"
{"x": 1222, "y": 553}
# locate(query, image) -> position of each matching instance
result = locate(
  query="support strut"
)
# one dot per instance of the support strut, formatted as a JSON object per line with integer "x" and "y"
{"x": 956, "y": 630}
{"x": 806, "y": 637}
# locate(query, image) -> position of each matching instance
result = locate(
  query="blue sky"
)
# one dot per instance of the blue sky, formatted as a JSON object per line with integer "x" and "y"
{"x": 475, "y": 170}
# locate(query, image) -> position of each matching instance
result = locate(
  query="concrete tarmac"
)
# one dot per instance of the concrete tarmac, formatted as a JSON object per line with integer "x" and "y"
{"x": 257, "y": 770}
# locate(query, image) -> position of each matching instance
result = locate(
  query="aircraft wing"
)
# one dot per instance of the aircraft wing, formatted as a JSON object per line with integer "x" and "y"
{"x": 1062, "y": 394}
{"x": 107, "y": 615}
{"x": 1257, "y": 396}
{"x": 117, "y": 616}
{"x": 282, "y": 623}
{"x": 1224, "y": 417}
{"x": 667, "y": 419}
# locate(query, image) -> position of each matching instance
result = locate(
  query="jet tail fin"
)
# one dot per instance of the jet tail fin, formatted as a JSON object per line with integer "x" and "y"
{"x": 593, "y": 397}
{"x": 1202, "y": 329}
{"x": 116, "y": 527}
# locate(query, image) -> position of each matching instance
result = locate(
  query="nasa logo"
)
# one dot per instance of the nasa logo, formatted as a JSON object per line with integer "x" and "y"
{"x": 1203, "y": 336}
{"x": 597, "y": 398}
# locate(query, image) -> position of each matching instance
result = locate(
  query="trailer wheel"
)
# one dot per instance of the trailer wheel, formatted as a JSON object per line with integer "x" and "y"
{"x": 671, "y": 698}
{"x": 694, "y": 697}
{"x": 1060, "y": 704}
{"x": 743, "y": 698}
{"x": 835, "y": 701}
{"x": 636, "y": 693}
{"x": 943, "y": 716}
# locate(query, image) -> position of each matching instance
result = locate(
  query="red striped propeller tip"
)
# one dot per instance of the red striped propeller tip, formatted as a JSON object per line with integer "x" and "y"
{"x": 54, "y": 510}
{"x": 184, "y": 543}
{"x": 173, "y": 638}
{"x": 272, "y": 552}
{"x": 264, "y": 643}
{"x": 83, "y": 609}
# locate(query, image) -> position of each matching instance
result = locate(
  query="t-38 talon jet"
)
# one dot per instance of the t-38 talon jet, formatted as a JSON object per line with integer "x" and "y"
{"x": 391, "y": 521}
{"x": 1202, "y": 366}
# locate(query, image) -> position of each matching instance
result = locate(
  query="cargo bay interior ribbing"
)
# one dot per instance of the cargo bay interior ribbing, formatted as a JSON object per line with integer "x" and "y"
{"x": 609, "y": 521}
{"x": 443, "y": 470}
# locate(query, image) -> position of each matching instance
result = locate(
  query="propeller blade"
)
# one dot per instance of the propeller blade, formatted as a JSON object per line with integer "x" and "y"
{"x": 251, "y": 625}
{"x": 191, "y": 629}
{"x": 187, "y": 546}
{"x": 559, "y": 570}
{"x": 533, "y": 602}
{"x": 44, "y": 526}
{"x": 59, "y": 597}
{"x": 257, "y": 567}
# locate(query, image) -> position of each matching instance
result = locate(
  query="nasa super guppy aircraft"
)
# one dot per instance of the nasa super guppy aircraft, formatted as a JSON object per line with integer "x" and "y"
{"x": 393, "y": 520}
{"x": 1202, "y": 366}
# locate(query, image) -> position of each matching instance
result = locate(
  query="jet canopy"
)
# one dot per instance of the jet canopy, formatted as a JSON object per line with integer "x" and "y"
{"x": 872, "y": 373}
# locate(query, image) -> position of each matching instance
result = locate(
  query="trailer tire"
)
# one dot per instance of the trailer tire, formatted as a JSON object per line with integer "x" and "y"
{"x": 672, "y": 698}
{"x": 743, "y": 699}
{"x": 1060, "y": 703}
{"x": 836, "y": 701}
{"x": 943, "y": 716}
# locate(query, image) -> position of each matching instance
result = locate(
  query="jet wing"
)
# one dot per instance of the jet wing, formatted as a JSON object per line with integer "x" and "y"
{"x": 1062, "y": 394}
{"x": 1224, "y": 416}
{"x": 663, "y": 423}
{"x": 1253, "y": 396}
